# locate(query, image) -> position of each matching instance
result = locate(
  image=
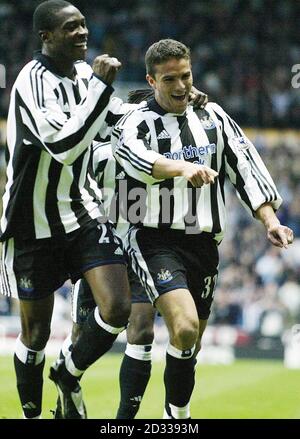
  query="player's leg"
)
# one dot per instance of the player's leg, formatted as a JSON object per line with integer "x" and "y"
{"x": 95, "y": 247}
{"x": 83, "y": 304}
{"x": 180, "y": 314}
{"x": 163, "y": 276}
{"x": 136, "y": 365}
{"x": 29, "y": 357}
{"x": 30, "y": 274}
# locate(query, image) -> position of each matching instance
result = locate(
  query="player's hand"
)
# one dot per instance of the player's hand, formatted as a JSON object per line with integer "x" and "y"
{"x": 106, "y": 67}
{"x": 197, "y": 98}
{"x": 198, "y": 174}
{"x": 280, "y": 236}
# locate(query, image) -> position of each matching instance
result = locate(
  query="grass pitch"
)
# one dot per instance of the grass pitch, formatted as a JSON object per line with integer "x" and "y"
{"x": 244, "y": 390}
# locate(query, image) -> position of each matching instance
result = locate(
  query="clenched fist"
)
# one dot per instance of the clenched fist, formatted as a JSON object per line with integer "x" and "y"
{"x": 106, "y": 67}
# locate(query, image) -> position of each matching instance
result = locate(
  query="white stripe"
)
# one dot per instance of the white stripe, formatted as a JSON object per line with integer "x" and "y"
{"x": 180, "y": 412}
{"x": 139, "y": 264}
{"x": 67, "y": 216}
{"x": 22, "y": 352}
{"x": 106, "y": 326}
{"x": 70, "y": 366}
{"x": 75, "y": 293}
{"x": 139, "y": 352}
{"x": 39, "y": 196}
{"x": 9, "y": 282}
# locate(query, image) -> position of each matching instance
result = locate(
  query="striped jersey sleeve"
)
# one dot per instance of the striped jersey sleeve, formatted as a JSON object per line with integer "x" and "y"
{"x": 109, "y": 177}
{"x": 244, "y": 166}
{"x": 48, "y": 126}
{"x": 130, "y": 144}
{"x": 116, "y": 109}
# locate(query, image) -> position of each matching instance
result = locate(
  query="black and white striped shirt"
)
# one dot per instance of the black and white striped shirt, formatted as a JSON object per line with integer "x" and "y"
{"x": 52, "y": 122}
{"x": 209, "y": 137}
{"x": 112, "y": 182}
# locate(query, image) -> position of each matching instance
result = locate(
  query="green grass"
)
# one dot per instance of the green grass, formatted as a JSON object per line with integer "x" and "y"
{"x": 244, "y": 390}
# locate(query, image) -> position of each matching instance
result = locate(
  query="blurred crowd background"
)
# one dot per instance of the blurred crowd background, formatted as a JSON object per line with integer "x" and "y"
{"x": 242, "y": 52}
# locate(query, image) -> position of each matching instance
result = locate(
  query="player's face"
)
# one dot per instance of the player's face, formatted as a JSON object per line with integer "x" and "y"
{"x": 69, "y": 38}
{"x": 172, "y": 84}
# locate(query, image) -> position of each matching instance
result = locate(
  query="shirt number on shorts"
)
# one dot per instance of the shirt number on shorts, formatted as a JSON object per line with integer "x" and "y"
{"x": 209, "y": 286}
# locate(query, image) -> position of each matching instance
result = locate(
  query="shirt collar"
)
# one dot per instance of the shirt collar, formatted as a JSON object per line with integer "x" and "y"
{"x": 48, "y": 63}
{"x": 154, "y": 106}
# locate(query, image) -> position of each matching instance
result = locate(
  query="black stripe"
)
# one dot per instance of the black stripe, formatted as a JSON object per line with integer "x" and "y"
{"x": 143, "y": 130}
{"x": 270, "y": 190}
{"x": 112, "y": 119}
{"x": 42, "y": 87}
{"x": 51, "y": 201}
{"x": 256, "y": 178}
{"x": 22, "y": 128}
{"x": 133, "y": 162}
{"x": 140, "y": 272}
{"x": 213, "y": 138}
{"x": 187, "y": 138}
{"x": 37, "y": 87}
{"x": 65, "y": 99}
{"x": 76, "y": 203}
{"x": 53, "y": 126}
{"x": 76, "y": 93}
{"x": 73, "y": 139}
{"x": 56, "y": 92}
{"x": 166, "y": 209}
{"x": 117, "y": 203}
{"x": 85, "y": 82}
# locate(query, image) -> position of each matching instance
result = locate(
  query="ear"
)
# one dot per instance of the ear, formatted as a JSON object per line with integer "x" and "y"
{"x": 151, "y": 81}
{"x": 45, "y": 36}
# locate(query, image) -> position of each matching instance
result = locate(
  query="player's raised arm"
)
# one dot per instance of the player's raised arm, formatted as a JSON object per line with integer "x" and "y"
{"x": 49, "y": 127}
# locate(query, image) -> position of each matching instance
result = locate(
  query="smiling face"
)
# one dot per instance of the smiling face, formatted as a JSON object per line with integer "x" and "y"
{"x": 172, "y": 83}
{"x": 68, "y": 40}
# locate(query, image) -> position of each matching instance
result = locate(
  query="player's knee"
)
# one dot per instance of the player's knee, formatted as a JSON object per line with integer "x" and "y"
{"x": 185, "y": 334}
{"x": 35, "y": 336}
{"x": 140, "y": 334}
{"x": 116, "y": 312}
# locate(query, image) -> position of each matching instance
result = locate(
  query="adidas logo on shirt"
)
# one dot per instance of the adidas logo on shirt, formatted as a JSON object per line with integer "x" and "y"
{"x": 118, "y": 251}
{"x": 163, "y": 135}
{"x": 120, "y": 176}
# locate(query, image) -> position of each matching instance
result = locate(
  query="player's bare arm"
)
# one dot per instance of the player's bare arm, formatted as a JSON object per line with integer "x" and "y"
{"x": 195, "y": 174}
{"x": 278, "y": 234}
{"x": 106, "y": 67}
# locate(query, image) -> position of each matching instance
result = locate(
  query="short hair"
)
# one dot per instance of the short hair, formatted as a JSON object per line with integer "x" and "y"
{"x": 162, "y": 51}
{"x": 45, "y": 15}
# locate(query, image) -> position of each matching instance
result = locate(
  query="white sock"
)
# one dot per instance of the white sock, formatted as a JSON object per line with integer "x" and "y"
{"x": 26, "y": 355}
{"x": 139, "y": 352}
{"x": 180, "y": 412}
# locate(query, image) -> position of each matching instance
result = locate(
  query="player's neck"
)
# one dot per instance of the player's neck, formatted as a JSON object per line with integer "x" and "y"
{"x": 64, "y": 66}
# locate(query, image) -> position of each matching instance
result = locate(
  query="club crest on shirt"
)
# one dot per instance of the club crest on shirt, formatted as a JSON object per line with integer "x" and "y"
{"x": 207, "y": 122}
{"x": 241, "y": 143}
